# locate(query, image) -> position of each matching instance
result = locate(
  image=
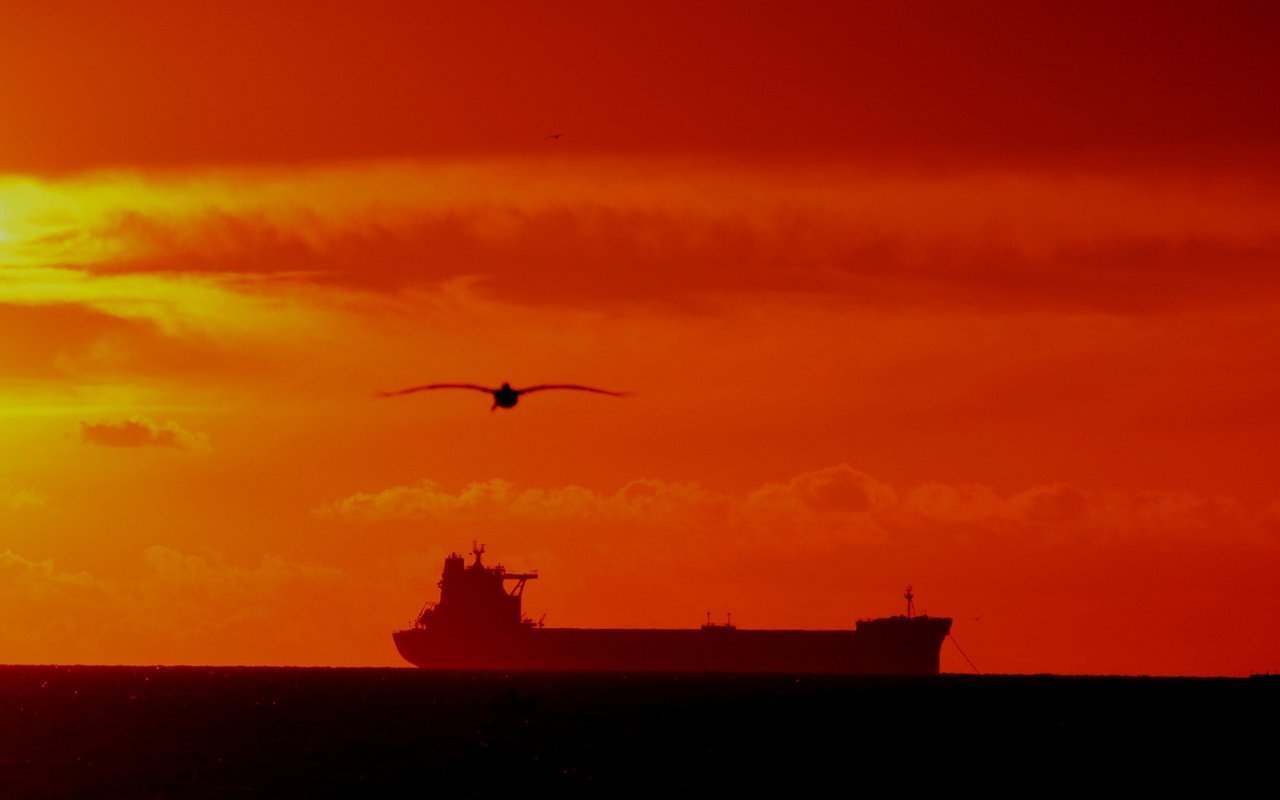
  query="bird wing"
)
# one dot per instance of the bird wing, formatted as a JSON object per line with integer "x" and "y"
{"x": 575, "y": 386}
{"x": 424, "y": 388}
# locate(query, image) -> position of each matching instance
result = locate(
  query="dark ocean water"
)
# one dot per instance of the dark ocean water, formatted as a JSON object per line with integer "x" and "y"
{"x": 282, "y": 732}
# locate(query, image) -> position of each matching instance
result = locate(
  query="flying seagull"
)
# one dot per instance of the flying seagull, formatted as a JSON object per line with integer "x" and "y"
{"x": 504, "y": 396}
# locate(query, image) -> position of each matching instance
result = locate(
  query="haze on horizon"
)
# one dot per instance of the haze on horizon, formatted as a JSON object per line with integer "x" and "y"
{"x": 976, "y": 299}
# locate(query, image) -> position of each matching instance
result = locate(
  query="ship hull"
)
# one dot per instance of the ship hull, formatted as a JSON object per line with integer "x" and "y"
{"x": 893, "y": 646}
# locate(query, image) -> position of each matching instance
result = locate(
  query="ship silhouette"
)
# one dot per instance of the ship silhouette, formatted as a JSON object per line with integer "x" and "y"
{"x": 477, "y": 624}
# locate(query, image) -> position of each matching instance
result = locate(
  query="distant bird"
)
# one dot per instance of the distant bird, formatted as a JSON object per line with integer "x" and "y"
{"x": 553, "y": 136}
{"x": 504, "y": 396}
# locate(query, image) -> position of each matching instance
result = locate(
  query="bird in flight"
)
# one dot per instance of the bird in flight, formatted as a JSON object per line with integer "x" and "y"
{"x": 553, "y": 136}
{"x": 504, "y": 396}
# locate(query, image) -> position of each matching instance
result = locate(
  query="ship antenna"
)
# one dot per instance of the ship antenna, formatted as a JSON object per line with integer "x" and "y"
{"x": 911, "y": 606}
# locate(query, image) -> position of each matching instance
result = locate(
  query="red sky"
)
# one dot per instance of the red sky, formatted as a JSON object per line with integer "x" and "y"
{"x": 978, "y": 299}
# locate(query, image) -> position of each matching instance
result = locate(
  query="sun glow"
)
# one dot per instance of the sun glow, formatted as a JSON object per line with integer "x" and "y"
{"x": 891, "y": 311}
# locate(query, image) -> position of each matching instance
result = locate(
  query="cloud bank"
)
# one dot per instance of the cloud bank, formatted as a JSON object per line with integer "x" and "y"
{"x": 602, "y": 230}
{"x": 838, "y": 500}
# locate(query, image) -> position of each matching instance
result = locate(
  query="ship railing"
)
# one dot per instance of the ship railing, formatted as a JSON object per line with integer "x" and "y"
{"x": 426, "y": 610}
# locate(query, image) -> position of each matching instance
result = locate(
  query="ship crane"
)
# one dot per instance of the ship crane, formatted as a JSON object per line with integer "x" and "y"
{"x": 477, "y": 550}
{"x": 519, "y": 578}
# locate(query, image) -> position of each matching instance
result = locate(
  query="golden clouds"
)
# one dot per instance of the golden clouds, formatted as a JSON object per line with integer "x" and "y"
{"x": 177, "y": 305}
{"x": 642, "y": 502}
{"x": 610, "y": 230}
{"x": 1013, "y": 360}
{"x": 820, "y": 506}
{"x": 183, "y": 608}
{"x": 1018, "y": 299}
{"x": 142, "y": 432}
{"x": 15, "y": 498}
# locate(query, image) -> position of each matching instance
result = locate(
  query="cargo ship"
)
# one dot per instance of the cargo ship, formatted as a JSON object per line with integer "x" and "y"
{"x": 477, "y": 624}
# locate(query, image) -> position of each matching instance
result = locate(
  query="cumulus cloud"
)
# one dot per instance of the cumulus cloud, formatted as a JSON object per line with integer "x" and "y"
{"x": 838, "y": 500}
{"x": 142, "y": 432}
{"x": 14, "y": 498}
{"x": 176, "y": 568}
{"x": 42, "y": 575}
{"x": 643, "y": 501}
{"x": 181, "y": 608}
{"x": 839, "y": 489}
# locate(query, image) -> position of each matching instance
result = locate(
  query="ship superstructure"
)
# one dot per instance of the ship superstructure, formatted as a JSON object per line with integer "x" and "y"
{"x": 475, "y": 598}
{"x": 478, "y": 624}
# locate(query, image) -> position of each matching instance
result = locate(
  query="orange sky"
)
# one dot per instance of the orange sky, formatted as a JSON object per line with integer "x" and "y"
{"x": 977, "y": 299}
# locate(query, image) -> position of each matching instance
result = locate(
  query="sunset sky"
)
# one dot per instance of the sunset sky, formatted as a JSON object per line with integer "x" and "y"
{"x": 980, "y": 297}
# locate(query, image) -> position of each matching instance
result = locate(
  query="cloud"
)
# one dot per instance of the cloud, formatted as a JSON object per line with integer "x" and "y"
{"x": 20, "y": 570}
{"x": 834, "y": 502}
{"x": 834, "y": 490}
{"x": 180, "y": 304}
{"x": 182, "y": 608}
{"x": 174, "y": 568}
{"x": 880, "y": 81}
{"x": 647, "y": 502}
{"x": 13, "y": 498}
{"x": 602, "y": 230}
{"x": 141, "y": 432}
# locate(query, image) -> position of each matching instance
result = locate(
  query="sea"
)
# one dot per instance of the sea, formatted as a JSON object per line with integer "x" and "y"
{"x": 176, "y": 732}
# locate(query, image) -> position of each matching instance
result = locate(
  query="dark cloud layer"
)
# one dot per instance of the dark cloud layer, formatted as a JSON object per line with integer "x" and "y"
{"x": 923, "y": 82}
{"x": 1007, "y": 241}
